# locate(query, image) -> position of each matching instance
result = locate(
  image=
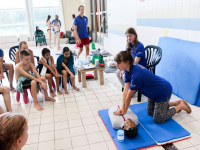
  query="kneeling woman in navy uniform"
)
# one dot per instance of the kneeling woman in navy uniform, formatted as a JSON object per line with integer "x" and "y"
{"x": 157, "y": 89}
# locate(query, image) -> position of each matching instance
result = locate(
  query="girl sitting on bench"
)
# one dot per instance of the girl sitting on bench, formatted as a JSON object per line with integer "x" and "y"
{"x": 157, "y": 89}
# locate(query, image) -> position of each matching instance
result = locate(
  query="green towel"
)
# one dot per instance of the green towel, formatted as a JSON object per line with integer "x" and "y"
{"x": 22, "y": 79}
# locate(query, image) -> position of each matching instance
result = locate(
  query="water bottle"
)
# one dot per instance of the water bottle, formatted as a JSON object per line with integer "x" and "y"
{"x": 120, "y": 135}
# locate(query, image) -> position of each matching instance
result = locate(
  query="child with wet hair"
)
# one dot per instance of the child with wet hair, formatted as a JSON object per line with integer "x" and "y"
{"x": 13, "y": 131}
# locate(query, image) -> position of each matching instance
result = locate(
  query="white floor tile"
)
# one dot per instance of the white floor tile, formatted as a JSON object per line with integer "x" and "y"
{"x": 47, "y": 120}
{"x": 46, "y": 145}
{"x": 61, "y": 134}
{"x": 77, "y": 131}
{"x": 60, "y": 118}
{"x": 91, "y": 128}
{"x": 61, "y": 125}
{"x": 89, "y": 120}
{"x": 30, "y": 147}
{"x": 99, "y": 146}
{"x": 46, "y": 136}
{"x": 95, "y": 137}
{"x": 33, "y": 138}
{"x": 63, "y": 143}
{"x": 79, "y": 140}
{"x": 75, "y": 123}
{"x": 33, "y": 129}
{"x": 47, "y": 127}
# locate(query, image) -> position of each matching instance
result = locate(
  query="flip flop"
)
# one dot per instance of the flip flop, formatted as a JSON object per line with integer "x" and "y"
{"x": 188, "y": 106}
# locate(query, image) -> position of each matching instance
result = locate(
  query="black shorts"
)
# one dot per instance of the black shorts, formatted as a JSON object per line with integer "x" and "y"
{"x": 27, "y": 83}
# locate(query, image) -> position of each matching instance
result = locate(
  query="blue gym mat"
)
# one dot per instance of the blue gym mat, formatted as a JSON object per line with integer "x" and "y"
{"x": 149, "y": 133}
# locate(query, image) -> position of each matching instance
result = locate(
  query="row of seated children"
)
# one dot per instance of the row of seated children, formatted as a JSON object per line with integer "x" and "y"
{"x": 26, "y": 72}
{"x": 47, "y": 69}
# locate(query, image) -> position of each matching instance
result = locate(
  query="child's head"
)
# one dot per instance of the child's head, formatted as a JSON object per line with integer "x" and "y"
{"x": 25, "y": 56}
{"x": 46, "y": 53}
{"x": 124, "y": 59}
{"x": 66, "y": 52}
{"x": 23, "y": 45}
{"x": 13, "y": 133}
{"x": 130, "y": 128}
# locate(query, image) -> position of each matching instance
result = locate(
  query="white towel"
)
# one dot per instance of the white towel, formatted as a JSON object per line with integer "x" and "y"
{"x": 44, "y": 68}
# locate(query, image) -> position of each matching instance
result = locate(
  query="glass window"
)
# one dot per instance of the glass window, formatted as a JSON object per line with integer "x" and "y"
{"x": 12, "y": 4}
{"x": 43, "y": 8}
{"x": 45, "y": 3}
{"x": 41, "y": 14}
{"x": 13, "y": 16}
{"x": 7, "y": 30}
{"x": 13, "y": 19}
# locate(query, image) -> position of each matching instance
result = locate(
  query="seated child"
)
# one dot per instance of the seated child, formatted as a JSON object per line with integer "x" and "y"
{"x": 13, "y": 133}
{"x": 48, "y": 69}
{"x": 23, "y": 78}
{"x": 9, "y": 67}
{"x": 65, "y": 63}
{"x": 23, "y": 46}
{"x": 4, "y": 90}
{"x": 127, "y": 122}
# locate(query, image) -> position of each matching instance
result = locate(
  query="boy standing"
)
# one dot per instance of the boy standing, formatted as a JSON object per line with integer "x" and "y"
{"x": 23, "y": 78}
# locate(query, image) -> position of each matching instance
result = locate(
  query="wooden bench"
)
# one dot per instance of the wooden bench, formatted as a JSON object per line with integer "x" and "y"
{"x": 82, "y": 72}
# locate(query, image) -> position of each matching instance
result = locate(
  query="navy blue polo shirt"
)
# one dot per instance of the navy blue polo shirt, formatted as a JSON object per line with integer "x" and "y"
{"x": 139, "y": 52}
{"x": 54, "y": 21}
{"x": 150, "y": 85}
{"x": 81, "y": 24}
{"x": 1, "y": 53}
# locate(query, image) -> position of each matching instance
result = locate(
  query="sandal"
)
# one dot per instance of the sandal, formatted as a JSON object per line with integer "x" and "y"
{"x": 189, "y": 110}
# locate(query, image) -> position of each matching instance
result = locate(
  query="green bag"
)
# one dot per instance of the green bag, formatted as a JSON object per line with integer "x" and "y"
{"x": 100, "y": 57}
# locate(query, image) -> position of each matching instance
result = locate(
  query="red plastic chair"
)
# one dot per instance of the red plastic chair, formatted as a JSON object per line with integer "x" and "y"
{"x": 25, "y": 95}
{"x": 53, "y": 84}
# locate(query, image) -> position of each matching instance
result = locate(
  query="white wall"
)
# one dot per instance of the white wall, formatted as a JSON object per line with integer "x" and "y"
{"x": 181, "y": 19}
{"x": 71, "y": 7}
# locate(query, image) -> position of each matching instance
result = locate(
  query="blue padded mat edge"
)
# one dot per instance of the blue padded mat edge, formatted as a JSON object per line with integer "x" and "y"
{"x": 171, "y": 130}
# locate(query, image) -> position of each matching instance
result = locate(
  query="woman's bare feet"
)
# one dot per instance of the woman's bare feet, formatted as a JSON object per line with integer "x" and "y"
{"x": 183, "y": 106}
{"x": 59, "y": 92}
{"x": 75, "y": 88}
{"x": 66, "y": 92}
{"x": 51, "y": 47}
{"x": 49, "y": 99}
{"x": 13, "y": 89}
{"x": 176, "y": 103}
{"x": 53, "y": 94}
{"x": 38, "y": 107}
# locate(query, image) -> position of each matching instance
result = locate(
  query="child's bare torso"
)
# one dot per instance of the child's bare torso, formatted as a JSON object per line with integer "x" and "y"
{"x": 26, "y": 68}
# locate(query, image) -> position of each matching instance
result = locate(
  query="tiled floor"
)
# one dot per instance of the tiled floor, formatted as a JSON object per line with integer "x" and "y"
{"x": 73, "y": 123}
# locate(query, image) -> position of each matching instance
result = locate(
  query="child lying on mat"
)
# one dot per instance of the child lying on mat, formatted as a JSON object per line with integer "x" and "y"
{"x": 23, "y": 78}
{"x": 127, "y": 122}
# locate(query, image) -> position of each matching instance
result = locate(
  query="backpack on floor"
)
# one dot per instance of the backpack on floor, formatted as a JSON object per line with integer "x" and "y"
{"x": 72, "y": 40}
